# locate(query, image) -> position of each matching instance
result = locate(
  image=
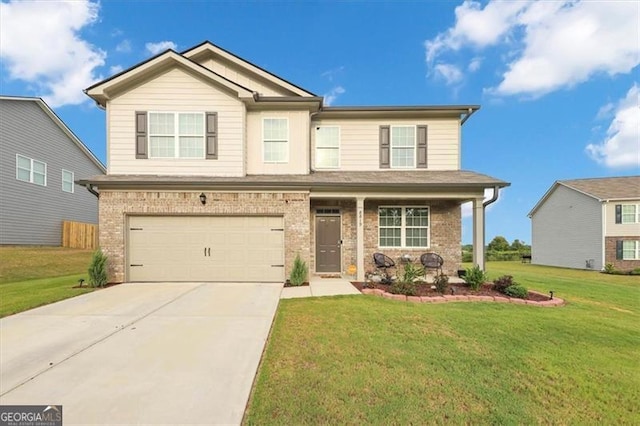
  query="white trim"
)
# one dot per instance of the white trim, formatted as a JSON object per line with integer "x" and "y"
{"x": 176, "y": 135}
{"x": 338, "y": 148}
{"x": 403, "y": 226}
{"x": 72, "y": 181}
{"x": 415, "y": 146}
{"x": 636, "y": 214}
{"x": 636, "y": 249}
{"x": 286, "y": 160}
{"x": 31, "y": 171}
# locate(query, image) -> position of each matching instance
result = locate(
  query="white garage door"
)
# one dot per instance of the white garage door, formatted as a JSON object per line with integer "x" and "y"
{"x": 206, "y": 248}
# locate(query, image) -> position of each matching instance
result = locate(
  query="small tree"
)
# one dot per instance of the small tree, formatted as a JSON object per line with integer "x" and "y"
{"x": 98, "y": 270}
{"x": 499, "y": 243}
{"x": 299, "y": 272}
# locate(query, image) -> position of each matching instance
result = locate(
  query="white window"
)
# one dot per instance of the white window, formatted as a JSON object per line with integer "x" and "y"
{"x": 631, "y": 213}
{"x": 405, "y": 227}
{"x": 328, "y": 147}
{"x": 67, "y": 181}
{"x": 275, "y": 133}
{"x": 630, "y": 250}
{"x": 176, "y": 135}
{"x": 403, "y": 147}
{"x": 30, "y": 170}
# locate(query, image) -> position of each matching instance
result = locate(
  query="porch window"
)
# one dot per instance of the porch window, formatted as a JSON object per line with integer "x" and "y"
{"x": 30, "y": 170}
{"x": 328, "y": 147}
{"x": 275, "y": 133}
{"x": 176, "y": 135}
{"x": 403, "y": 227}
{"x": 631, "y": 250}
{"x": 631, "y": 213}
{"x": 403, "y": 147}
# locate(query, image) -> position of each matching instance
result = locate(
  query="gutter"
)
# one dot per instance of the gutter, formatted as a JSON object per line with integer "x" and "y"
{"x": 493, "y": 199}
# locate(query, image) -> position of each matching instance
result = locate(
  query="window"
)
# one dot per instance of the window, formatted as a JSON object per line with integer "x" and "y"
{"x": 630, "y": 250}
{"x": 67, "y": 181}
{"x": 631, "y": 213}
{"x": 405, "y": 227}
{"x": 276, "y": 140}
{"x": 30, "y": 170}
{"x": 327, "y": 147}
{"x": 403, "y": 147}
{"x": 176, "y": 135}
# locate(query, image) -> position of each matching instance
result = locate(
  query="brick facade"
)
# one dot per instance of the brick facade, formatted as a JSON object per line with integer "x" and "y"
{"x": 610, "y": 254}
{"x": 116, "y": 205}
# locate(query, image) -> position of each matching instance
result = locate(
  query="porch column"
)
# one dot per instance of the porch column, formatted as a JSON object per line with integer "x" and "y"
{"x": 478, "y": 232}
{"x": 360, "y": 239}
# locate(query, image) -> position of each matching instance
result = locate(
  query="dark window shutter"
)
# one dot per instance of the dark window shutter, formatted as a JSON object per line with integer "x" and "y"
{"x": 422, "y": 147}
{"x": 618, "y": 213}
{"x": 212, "y": 135}
{"x": 141, "y": 134}
{"x": 619, "y": 250}
{"x": 385, "y": 147}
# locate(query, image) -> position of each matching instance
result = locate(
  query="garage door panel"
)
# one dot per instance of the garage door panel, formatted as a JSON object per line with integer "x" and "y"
{"x": 206, "y": 248}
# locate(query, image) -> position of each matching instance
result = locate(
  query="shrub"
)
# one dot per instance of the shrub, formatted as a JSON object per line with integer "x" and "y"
{"x": 98, "y": 270}
{"x": 635, "y": 272}
{"x": 411, "y": 272}
{"x": 609, "y": 268}
{"x": 441, "y": 282}
{"x": 475, "y": 277}
{"x": 501, "y": 284}
{"x": 517, "y": 291}
{"x": 299, "y": 272}
{"x": 407, "y": 288}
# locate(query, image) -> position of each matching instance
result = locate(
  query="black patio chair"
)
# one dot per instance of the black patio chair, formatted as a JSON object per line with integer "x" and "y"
{"x": 384, "y": 263}
{"x": 432, "y": 261}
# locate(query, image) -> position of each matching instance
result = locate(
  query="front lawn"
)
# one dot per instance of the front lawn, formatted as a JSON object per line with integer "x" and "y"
{"x": 369, "y": 360}
{"x": 35, "y": 276}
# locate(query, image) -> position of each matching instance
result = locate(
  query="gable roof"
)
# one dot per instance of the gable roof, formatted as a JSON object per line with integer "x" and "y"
{"x": 601, "y": 189}
{"x": 206, "y": 47}
{"x": 54, "y": 117}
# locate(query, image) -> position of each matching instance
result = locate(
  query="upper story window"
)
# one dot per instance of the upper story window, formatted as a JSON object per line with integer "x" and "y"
{"x": 30, "y": 170}
{"x": 403, "y": 227}
{"x": 67, "y": 181}
{"x": 275, "y": 134}
{"x": 403, "y": 147}
{"x": 630, "y": 213}
{"x": 328, "y": 147}
{"x": 176, "y": 135}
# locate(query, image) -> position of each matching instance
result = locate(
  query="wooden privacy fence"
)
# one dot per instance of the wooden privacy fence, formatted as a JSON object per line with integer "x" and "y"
{"x": 79, "y": 235}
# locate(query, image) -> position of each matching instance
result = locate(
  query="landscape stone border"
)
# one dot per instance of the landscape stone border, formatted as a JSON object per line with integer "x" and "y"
{"x": 556, "y": 301}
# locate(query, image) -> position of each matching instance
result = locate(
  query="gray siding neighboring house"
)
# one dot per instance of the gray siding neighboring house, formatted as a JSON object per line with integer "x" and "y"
{"x": 588, "y": 223}
{"x": 32, "y": 135}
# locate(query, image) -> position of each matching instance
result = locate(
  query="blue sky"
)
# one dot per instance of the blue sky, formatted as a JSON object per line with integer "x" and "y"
{"x": 557, "y": 80}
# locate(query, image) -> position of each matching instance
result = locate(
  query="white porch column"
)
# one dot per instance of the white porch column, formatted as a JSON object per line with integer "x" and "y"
{"x": 478, "y": 232}
{"x": 360, "y": 238}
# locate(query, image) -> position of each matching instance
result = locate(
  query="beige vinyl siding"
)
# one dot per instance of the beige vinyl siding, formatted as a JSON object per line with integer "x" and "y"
{"x": 176, "y": 91}
{"x": 298, "y": 159}
{"x": 242, "y": 77}
{"x": 613, "y": 229}
{"x": 359, "y": 143}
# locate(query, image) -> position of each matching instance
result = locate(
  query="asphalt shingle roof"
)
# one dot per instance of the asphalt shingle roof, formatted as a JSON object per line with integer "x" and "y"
{"x": 607, "y": 188}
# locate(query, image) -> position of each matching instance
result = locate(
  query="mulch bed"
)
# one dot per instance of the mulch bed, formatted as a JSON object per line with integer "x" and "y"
{"x": 425, "y": 290}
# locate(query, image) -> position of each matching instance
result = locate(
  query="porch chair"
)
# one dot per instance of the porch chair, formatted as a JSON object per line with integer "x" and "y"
{"x": 384, "y": 263}
{"x": 431, "y": 261}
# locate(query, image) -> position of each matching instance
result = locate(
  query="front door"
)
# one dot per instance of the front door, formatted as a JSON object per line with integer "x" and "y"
{"x": 328, "y": 244}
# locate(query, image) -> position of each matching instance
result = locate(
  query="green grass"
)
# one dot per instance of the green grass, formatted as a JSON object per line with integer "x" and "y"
{"x": 368, "y": 360}
{"x": 35, "y": 276}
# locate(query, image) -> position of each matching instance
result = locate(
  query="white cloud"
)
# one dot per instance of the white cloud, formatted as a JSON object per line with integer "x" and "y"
{"x": 332, "y": 95}
{"x": 552, "y": 44}
{"x": 124, "y": 46}
{"x": 40, "y": 43}
{"x": 621, "y": 147}
{"x": 475, "y": 64}
{"x": 333, "y": 73}
{"x": 115, "y": 69}
{"x": 467, "y": 208}
{"x": 161, "y": 46}
{"x": 449, "y": 72}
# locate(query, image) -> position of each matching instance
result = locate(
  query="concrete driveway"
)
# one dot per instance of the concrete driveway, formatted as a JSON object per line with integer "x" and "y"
{"x": 153, "y": 353}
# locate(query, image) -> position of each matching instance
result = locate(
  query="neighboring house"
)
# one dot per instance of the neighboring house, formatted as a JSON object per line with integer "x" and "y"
{"x": 588, "y": 223}
{"x": 40, "y": 160}
{"x": 219, "y": 170}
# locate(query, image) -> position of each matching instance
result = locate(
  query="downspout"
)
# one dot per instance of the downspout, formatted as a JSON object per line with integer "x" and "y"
{"x": 493, "y": 199}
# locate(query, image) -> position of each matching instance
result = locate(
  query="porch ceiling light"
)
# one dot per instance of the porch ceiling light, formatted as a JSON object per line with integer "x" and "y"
{"x": 203, "y": 199}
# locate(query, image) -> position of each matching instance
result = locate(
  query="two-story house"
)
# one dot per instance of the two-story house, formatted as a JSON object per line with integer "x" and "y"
{"x": 588, "y": 223}
{"x": 219, "y": 170}
{"x": 40, "y": 160}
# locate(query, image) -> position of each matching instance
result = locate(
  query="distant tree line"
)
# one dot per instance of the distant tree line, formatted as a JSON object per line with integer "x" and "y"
{"x": 499, "y": 249}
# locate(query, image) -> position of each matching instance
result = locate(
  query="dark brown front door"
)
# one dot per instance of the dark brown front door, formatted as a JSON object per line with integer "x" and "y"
{"x": 328, "y": 244}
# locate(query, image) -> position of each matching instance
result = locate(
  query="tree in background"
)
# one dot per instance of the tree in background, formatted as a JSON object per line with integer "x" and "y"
{"x": 518, "y": 245}
{"x": 499, "y": 243}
